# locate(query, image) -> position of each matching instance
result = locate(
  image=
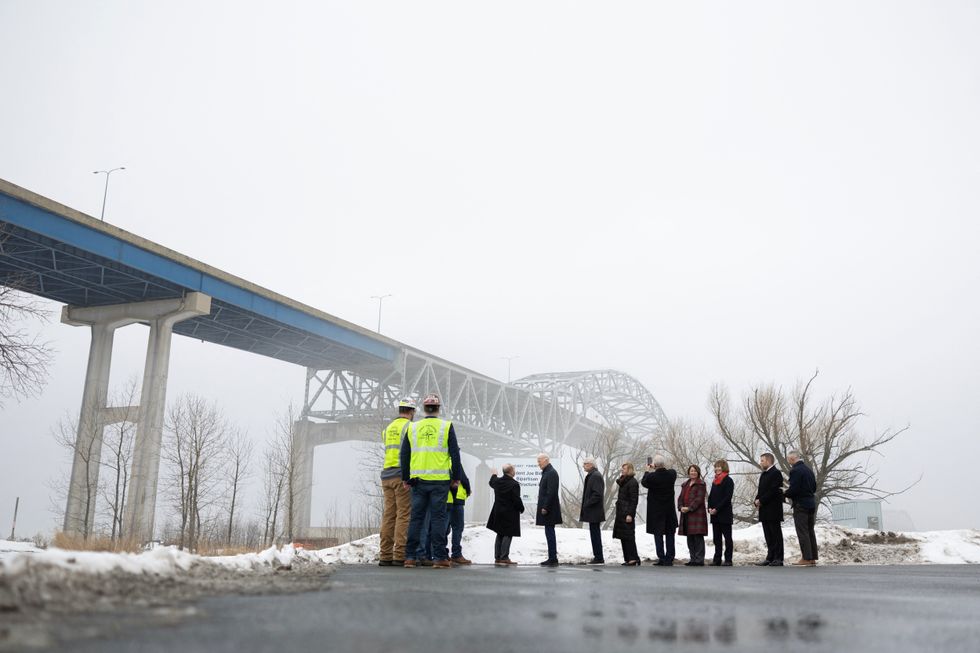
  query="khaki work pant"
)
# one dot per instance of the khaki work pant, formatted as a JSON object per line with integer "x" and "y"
{"x": 395, "y": 518}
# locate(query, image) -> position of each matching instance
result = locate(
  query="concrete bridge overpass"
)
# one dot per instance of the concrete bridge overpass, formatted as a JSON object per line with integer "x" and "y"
{"x": 108, "y": 278}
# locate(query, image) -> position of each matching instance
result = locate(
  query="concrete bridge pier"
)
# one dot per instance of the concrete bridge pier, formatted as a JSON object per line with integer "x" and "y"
{"x": 160, "y": 315}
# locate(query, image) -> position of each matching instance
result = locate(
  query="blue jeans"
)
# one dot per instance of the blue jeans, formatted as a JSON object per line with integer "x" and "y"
{"x": 428, "y": 500}
{"x": 595, "y": 535}
{"x": 549, "y": 535}
{"x": 455, "y": 525}
{"x": 425, "y": 544}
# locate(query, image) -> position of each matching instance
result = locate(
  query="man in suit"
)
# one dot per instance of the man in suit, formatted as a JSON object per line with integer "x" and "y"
{"x": 548, "y": 513}
{"x": 661, "y": 515}
{"x": 593, "y": 508}
{"x": 802, "y": 491}
{"x": 769, "y": 501}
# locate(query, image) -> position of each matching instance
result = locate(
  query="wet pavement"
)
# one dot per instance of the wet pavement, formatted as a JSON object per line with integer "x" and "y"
{"x": 575, "y": 608}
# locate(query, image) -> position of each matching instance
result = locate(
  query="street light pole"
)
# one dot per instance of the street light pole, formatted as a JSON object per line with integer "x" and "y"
{"x": 508, "y": 359}
{"x": 380, "y": 299}
{"x": 105, "y": 193}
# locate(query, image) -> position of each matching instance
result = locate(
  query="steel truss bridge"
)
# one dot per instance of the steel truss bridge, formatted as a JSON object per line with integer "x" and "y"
{"x": 108, "y": 278}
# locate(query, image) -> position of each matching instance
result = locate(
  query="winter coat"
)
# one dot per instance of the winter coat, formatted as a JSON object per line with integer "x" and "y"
{"x": 770, "y": 495}
{"x": 720, "y": 498}
{"x": 661, "y": 515}
{"x": 694, "y": 522}
{"x": 548, "y": 498}
{"x": 505, "y": 516}
{"x": 593, "y": 498}
{"x": 802, "y": 487}
{"x": 626, "y": 500}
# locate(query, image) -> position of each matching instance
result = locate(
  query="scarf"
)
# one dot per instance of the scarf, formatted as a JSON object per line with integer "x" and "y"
{"x": 719, "y": 478}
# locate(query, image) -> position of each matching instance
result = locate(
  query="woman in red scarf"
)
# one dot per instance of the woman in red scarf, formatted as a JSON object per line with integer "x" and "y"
{"x": 720, "y": 509}
{"x": 694, "y": 519}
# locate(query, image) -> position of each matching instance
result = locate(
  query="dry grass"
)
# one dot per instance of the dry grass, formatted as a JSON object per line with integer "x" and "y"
{"x": 75, "y": 542}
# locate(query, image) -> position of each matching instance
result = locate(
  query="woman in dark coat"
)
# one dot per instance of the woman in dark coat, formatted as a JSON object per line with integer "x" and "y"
{"x": 694, "y": 517}
{"x": 720, "y": 509}
{"x": 624, "y": 528}
{"x": 505, "y": 516}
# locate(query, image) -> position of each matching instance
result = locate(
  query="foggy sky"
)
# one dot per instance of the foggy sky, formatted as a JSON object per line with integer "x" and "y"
{"x": 687, "y": 192}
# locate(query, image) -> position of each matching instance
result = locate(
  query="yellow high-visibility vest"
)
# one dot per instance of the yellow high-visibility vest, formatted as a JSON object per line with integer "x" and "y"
{"x": 429, "y": 438}
{"x": 460, "y": 494}
{"x": 393, "y": 441}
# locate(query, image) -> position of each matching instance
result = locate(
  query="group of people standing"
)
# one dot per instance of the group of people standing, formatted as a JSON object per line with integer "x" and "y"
{"x": 425, "y": 489}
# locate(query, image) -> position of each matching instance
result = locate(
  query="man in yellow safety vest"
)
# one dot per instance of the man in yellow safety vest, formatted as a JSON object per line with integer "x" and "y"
{"x": 430, "y": 465}
{"x": 397, "y": 498}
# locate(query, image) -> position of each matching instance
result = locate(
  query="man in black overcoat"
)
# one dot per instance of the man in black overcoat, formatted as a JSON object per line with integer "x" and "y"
{"x": 769, "y": 501}
{"x": 548, "y": 513}
{"x": 593, "y": 508}
{"x": 661, "y": 515}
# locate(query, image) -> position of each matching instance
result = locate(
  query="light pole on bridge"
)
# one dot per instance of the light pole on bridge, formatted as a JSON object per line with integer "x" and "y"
{"x": 508, "y": 359}
{"x": 380, "y": 299}
{"x": 105, "y": 193}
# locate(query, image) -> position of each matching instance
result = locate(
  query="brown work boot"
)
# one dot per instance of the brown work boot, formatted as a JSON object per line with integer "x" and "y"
{"x": 409, "y": 564}
{"x": 462, "y": 561}
{"x": 500, "y": 563}
{"x": 803, "y": 563}
{"x": 442, "y": 564}
{"x": 425, "y": 562}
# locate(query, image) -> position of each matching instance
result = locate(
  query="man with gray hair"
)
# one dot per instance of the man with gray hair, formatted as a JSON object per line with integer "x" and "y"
{"x": 802, "y": 492}
{"x": 548, "y": 513}
{"x": 661, "y": 515}
{"x": 593, "y": 508}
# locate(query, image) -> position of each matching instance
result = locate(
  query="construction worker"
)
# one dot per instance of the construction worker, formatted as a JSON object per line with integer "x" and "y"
{"x": 431, "y": 467}
{"x": 456, "y": 506}
{"x": 397, "y": 498}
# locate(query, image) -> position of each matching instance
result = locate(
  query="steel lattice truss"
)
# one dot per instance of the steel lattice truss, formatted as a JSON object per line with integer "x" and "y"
{"x": 538, "y": 413}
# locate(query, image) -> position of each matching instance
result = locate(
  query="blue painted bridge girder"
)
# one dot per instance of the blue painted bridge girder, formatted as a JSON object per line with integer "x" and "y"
{"x": 58, "y": 253}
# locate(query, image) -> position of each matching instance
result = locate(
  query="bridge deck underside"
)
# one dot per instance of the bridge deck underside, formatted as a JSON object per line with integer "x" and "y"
{"x": 62, "y": 273}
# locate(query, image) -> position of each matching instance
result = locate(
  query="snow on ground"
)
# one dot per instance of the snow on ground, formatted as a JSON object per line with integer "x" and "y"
{"x": 837, "y": 545}
{"x": 15, "y": 557}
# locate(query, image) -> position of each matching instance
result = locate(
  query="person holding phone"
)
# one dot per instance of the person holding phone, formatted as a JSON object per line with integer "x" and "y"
{"x": 661, "y": 518}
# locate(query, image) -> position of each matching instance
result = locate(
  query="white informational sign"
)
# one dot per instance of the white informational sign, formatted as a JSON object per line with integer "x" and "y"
{"x": 528, "y": 474}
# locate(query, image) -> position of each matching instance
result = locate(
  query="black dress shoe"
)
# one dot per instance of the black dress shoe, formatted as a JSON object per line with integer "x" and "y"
{"x": 763, "y": 563}
{"x": 596, "y": 561}
{"x": 776, "y": 563}
{"x": 716, "y": 563}
{"x": 549, "y": 563}
{"x": 384, "y": 563}
{"x": 727, "y": 563}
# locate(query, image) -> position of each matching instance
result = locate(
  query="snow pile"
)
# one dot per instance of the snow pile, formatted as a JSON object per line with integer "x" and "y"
{"x": 838, "y": 545}
{"x": 16, "y": 557}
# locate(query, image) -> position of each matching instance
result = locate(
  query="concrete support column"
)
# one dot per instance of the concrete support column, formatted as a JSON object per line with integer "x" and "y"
{"x": 82, "y": 488}
{"x": 302, "y": 482}
{"x": 140, "y": 508}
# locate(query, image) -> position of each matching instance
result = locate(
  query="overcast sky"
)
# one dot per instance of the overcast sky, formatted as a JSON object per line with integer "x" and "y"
{"x": 687, "y": 192}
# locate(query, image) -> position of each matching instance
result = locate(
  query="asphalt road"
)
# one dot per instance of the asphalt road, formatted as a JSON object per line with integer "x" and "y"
{"x": 366, "y": 608}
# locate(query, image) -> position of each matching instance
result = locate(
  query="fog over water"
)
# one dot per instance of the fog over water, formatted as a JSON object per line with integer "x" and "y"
{"x": 687, "y": 192}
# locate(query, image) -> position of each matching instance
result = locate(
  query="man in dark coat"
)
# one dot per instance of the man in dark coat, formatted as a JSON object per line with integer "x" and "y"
{"x": 802, "y": 491}
{"x": 593, "y": 508}
{"x": 548, "y": 513}
{"x": 661, "y": 516}
{"x": 505, "y": 516}
{"x": 769, "y": 501}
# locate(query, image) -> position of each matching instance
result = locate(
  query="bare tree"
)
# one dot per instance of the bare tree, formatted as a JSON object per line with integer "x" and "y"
{"x": 611, "y": 448}
{"x": 273, "y": 488}
{"x": 81, "y": 449}
{"x": 825, "y": 432}
{"x": 24, "y": 358}
{"x": 197, "y": 435}
{"x": 117, "y": 454}
{"x": 238, "y": 466}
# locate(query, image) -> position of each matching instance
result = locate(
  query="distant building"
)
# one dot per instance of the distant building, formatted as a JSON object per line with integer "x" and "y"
{"x": 859, "y": 514}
